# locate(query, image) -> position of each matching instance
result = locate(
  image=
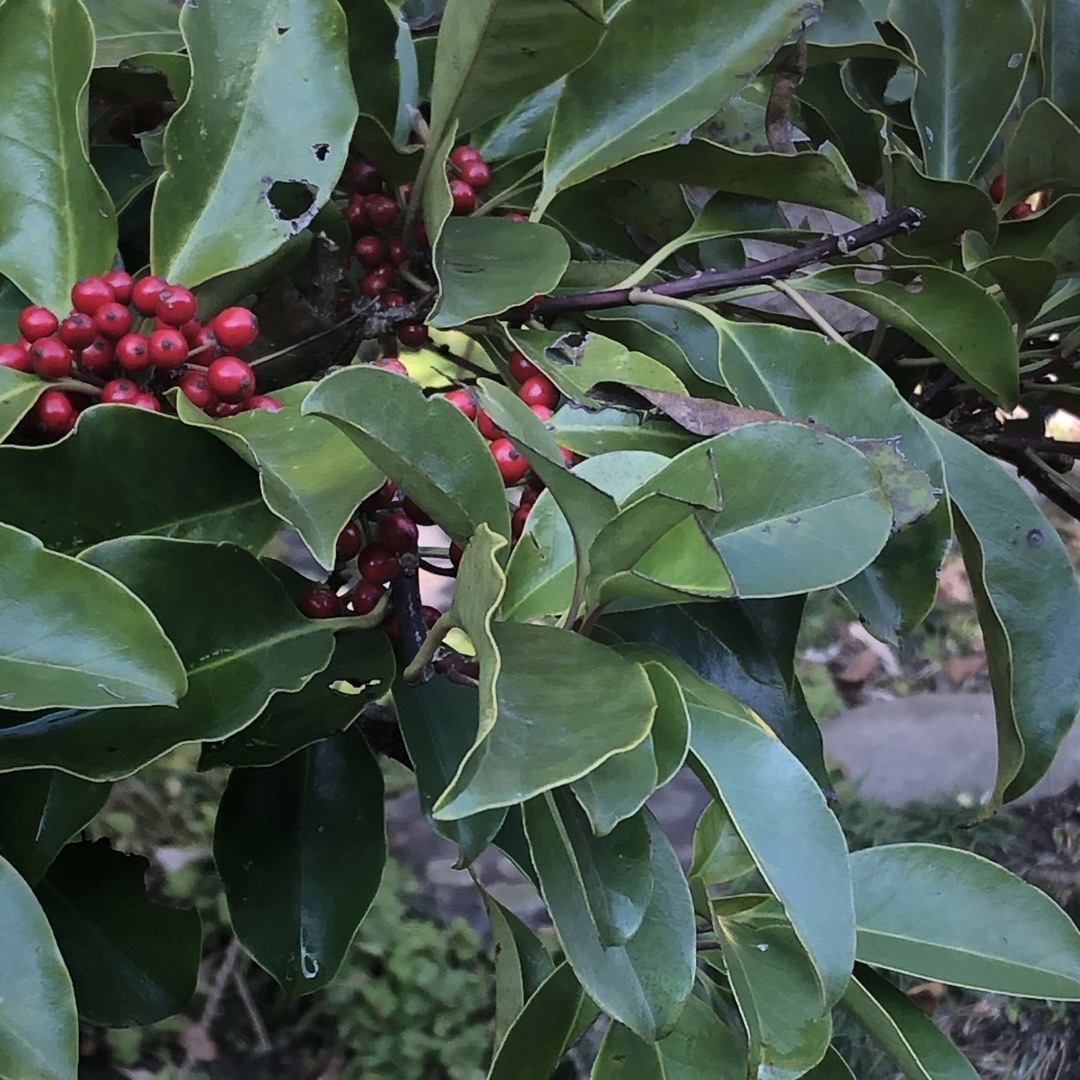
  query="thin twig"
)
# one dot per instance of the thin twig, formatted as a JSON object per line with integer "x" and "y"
{"x": 213, "y": 1004}
{"x": 263, "y": 1045}
{"x": 1038, "y": 474}
{"x": 812, "y": 312}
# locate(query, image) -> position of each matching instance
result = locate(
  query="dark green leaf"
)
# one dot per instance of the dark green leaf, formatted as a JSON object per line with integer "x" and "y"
{"x": 132, "y": 961}
{"x": 127, "y": 27}
{"x": 832, "y": 1067}
{"x": 1044, "y": 152}
{"x": 1058, "y": 47}
{"x": 18, "y": 392}
{"x": 846, "y": 29}
{"x": 300, "y": 848}
{"x": 719, "y": 853}
{"x": 524, "y": 129}
{"x": 124, "y": 171}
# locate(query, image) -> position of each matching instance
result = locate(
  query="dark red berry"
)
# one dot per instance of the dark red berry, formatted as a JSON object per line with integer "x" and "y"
{"x": 112, "y": 320}
{"x": 521, "y": 367}
{"x": 377, "y": 282}
{"x": 420, "y": 235}
{"x": 77, "y": 330}
{"x": 37, "y": 322}
{"x": 175, "y": 305}
{"x": 365, "y": 597}
{"x": 997, "y": 188}
{"x": 463, "y": 400}
{"x": 221, "y": 409}
{"x": 14, "y": 357}
{"x": 417, "y": 513}
{"x": 528, "y": 497}
{"x": 133, "y": 352}
{"x": 89, "y": 293}
{"x": 396, "y": 251}
{"x": 377, "y": 564}
{"x": 380, "y": 499}
{"x": 147, "y": 401}
{"x": 461, "y": 155}
{"x": 391, "y": 363}
{"x": 370, "y": 250}
{"x": 1020, "y": 211}
{"x": 195, "y": 387}
{"x": 168, "y": 349}
{"x": 122, "y": 283}
{"x": 412, "y": 335}
{"x": 464, "y": 197}
{"x": 119, "y": 391}
{"x": 382, "y": 211}
{"x": 517, "y": 522}
{"x": 264, "y": 402}
{"x": 235, "y": 327}
{"x": 512, "y": 466}
{"x": 539, "y": 390}
{"x": 144, "y": 294}
{"x": 97, "y": 358}
{"x": 355, "y": 213}
{"x": 476, "y": 174}
{"x": 488, "y": 428}
{"x": 349, "y": 542}
{"x": 393, "y": 299}
{"x": 398, "y": 532}
{"x": 231, "y": 379}
{"x": 364, "y": 177}
{"x": 54, "y": 414}
{"x": 431, "y": 615}
{"x": 50, "y": 358}
{"x": 320, "y": 603}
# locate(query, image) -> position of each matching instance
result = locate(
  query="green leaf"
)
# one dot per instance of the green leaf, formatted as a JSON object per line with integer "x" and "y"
{"x": 846, "y": 29}
{"x": 236, "y": 654}
{"x": 276, "y": 107}
{"x": 60, "y": 221}
{"x": 793, "y": 836}
{"x": 1028, "y": 603}
{"x": 1059, "y": 42}
{"x": 903, "y": 1030}
{"x": 310, "y": 474}
{"x": 300, "y": 848}
{"x": 946, "y": 914}
{"x": 125, "y": 28}
{"x": 488, "y": 265}
{"x": 1042, "y": 153}
{"x": 39, "y": 1028}
{"x": 832, "y": 1067}
{"x": 644, "y": 983}
{"x": 40, "y": 811}
{"x": 778, "y": 995}
{"x": 679, "y": 77}
{"x": 213, "y": 497}
{"x": 73, "y": 637}
{"x": 524, "y": 129}
{"x": 18, "y": 392}
{"x": 131, "y": 961}
{"x": 946, "y": 313}
{"x": 454, "y": 478}
{"x": 124, "y": 171}
{"x": 601, "y": 431}
{"x": 536, "y": 741}
{"x": 360, "y": 672}
{"x": 972, "y": 56}
{"x": 908, "y": 487}
{"x": 719, "y": 853}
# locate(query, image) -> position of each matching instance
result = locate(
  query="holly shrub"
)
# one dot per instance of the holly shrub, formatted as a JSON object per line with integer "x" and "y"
{"x": 667, "y": 316}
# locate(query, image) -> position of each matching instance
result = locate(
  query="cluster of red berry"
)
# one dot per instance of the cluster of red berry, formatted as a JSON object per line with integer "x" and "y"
{"x": 1017, "y": 212}
{"x": 98, "y": 353}
{"x": 375, "y": 211}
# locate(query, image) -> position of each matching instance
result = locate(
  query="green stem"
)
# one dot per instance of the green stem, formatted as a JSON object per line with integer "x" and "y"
{"x": 426, "y": 654}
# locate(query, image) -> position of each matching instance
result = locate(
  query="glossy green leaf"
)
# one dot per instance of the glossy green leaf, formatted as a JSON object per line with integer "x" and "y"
{"x": 1028, "y": 603}
{"x": 360, "y": 672}
{"x": 311, "y": 475}
{"x": 236, "y": 655}
{"x": 946, "y": 914}
{"x": 644, "y": 983}
{"x": 125, "y": 28}
{"x": 1043, "y": 153}
{"x": 524, "y": 129}
{"x": 131, "y": 961}
{"x": 945, "y": 312}
{"x": 679, "y": 78}
{"x": 778, "y": 995}
{"x": 124, "y": 171}
{"x": 454, "y": 477}
{"x": 275, "y": 107}
{"x": 1059, "y": 43}
{"x": 793, "y": 836}
{"x": 71, "y": 636}
{"x": 540, "y": 573}
{"x": 601, "y": 431}
{"x": 903, "y": 1030}
{"x": 18, "y": 392}
{"x": 1025, "y": 283}
{"x": 213, "y": 497}
{"x": 831, "y": 1067}
{"x": 846, "y": 29}
{"x": 488, "y": 265}
{"x": 60, "y": 221}
{"x": 972, "y": 56}
{"x": 719, "y": 852}
{"x": 40, "y": 811}
{"x": 300, "y": 848}
{"x": 39, "y": 1027}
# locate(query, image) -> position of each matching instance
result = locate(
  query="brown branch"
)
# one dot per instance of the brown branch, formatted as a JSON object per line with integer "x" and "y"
{"x": 762, "y": 273}
{"x": 1037, "y": 473}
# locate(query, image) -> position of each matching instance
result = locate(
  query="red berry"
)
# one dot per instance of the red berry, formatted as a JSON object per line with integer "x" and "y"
{"x": 391, "y": 627}
{"x": 1020, "y": 211}
{"x": 461, "y": 155}
{"x": 14, "y": 357}
{"x": 231, "y": 379}
{"x": 349, "y": 542}
{"x": 521, "y": 367}
{"x": 405, "y": 192}
{"x": 454, "y": 555}
{"x": 264, "y": 402}
{"x": 463, "y": 400}
{"x": 77, "y": 330}
{"x": 528, "y": 497}
{"x": 539, "y": 390}
{"x": 203, "y": 340}
{"x": 382, "y": 211}
{"x": 464, "y": 197}
{"x": 365, "y": 597}
{"x": 570, "y": 459}
{"x": 488, "y": 428}
{"x": 175, "y": 305}
{"x": 380, "y": 499}
{"x": 50, "y": 358}
{"x": 133, "y": 352}
{"x": 195, "y": 387}
{"x": 391, "y": 363}
{"x": 192, "y": 331}
{"x": 370, "y": 250}
{"x": 512, "y": 466}
{"x": 97, "y": 358}
{"x": 431, "y": 615}
{"x": 476, "y": 174}
{"x": 112, "y": 320}
{"x": 417, "y": 513}
{"x": 119, "y": 391}
{"x": 89, "y": 293}
{"x": 412, "y": 335}
{"x": 377, "y": 564}
{"x": 220, "y": 409}
{"x": 121, "y": 282}
{"x": 997, "y": 188}
{"x": 364, "y": 177}
{"x": 235, "y": 327}
{"x": 147, "y": 401}
{"x": 517, "y": 522}
{"x": 320, "y": 603}
{"x": 542, "y": 412}
{"x": 144, "y": 294}
{"x": 377, "y": 282}
{"x": 393, "y": 299}
{"x": 398, "y": 532}
{"x": 37, "y": 322}
{"x": 54, "y": 414}
{"x": 396, "y": 251}
{"x": 355, "y": 213}
{"x": 420, "y": 235}
{"x": 168, "y": 349}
